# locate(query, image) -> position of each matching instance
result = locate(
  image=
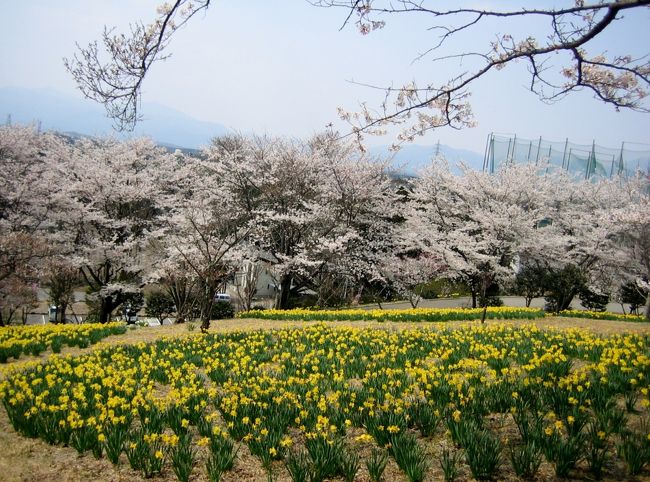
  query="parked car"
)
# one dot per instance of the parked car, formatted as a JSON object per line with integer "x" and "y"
{"x": 222, "y": 297}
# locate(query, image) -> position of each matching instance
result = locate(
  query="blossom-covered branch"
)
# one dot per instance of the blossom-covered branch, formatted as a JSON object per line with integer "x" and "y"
{"x": 112, "y": 74}
{"x": 619, "y": 80}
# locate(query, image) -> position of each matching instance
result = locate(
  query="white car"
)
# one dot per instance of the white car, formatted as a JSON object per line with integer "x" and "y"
{"x": 225, "y": 297}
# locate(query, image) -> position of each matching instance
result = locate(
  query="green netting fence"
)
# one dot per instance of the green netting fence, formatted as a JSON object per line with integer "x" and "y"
{"x": 583, "y": 160}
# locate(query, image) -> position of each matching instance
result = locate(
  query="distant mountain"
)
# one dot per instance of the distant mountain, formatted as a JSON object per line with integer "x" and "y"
{"x": 412, "y": 158}
{"x": 66, "y": 113}
{"x": 174, "y": 129}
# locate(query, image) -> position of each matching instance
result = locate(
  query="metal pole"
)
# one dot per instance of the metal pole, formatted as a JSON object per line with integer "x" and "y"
{"x": 621, "y": 162}
{"x": 492, "y": 159}
{"x": 539, "y": 145}
{"x": 591, "y": 161}
{"x": 566, "y": 145}
{"x": 486, "y": 155}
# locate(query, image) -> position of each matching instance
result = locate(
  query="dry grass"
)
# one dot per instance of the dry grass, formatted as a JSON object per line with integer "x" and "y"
{"x": 24, "y": 459}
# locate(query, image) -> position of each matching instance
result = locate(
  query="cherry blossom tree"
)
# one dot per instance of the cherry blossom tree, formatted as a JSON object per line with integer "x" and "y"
{"x": 117, "y": 82}
{"x": 116, "y": 199}
{"x": 316, "y": 206}
{"x": 560, "y": 61}
{"x": 16, "y": 297}
{"x": 246, "y": 283}
{"x": 30, "y": 194}
{"x": 274, "y": 180}
{"x": 205, "y": 232}
{"x": 475, "y": 223}
{"x": 179, "y": 283}
{"x": 26, "y": 158}
{"x": 61, "y": 279}
{"x": 487, "y": 227}
{"x": 321, "y": 214}
{"x": 127, "y": 213}
{"x": 22, "y": 257}
{"x": 359, "y": 197}
{"x": 575, "y": 235}
{"x": 633, "y": 237}
{"x": 408, "y": 274}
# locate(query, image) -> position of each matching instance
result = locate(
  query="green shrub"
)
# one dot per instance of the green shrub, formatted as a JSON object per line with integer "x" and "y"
{"x": 222, "y": 310}
{"x": 561, "y": 286}
{"x": 159, "y": 305}
{"x": 632, "y": 294}
{"x": 592, "y": 300}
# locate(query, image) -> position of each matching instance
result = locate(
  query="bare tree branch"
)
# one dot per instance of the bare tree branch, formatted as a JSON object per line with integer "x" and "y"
{"x": 113, "y": 73}
{"x": 621, "y": 81}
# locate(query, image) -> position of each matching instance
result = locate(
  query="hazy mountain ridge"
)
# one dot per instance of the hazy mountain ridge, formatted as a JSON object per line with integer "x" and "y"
{"x": 174, "y": 129}
{"x": 412, "y": 158}
{"x": 66, "y": 113}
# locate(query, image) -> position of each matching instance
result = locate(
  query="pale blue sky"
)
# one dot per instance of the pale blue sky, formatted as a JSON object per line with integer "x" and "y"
{"x": 282, "y": 67}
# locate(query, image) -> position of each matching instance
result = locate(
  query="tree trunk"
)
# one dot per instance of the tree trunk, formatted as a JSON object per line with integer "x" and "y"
{"x": 564, "y": 303}
{"x": 357, "y": 298}
{"x": 484, "y": 286}
{"x": 415, "y": 298}
{"x": 647, "y": 307}
{"x": 473, "y": 298}
{"x": 180, "y": 293}
{"x": 285, "y": 292}
{"x": 206, "y": 313}
{"x": 76, "y": 319}
{"x": 104, "y": 316}
{"x": 106, "y": 307}
{"x": 205, "y": 322}
{"x": 206, "y": 305}
{"x": 60, "y": 314}
{"x": 11, "y": 316}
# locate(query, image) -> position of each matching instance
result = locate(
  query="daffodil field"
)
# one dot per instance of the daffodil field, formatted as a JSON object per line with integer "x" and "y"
{"x": 35, "y": 339}
{"x": 601, "y": 315}
{"x": 410, "y": 315}
{"x": 322, "y": 402}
